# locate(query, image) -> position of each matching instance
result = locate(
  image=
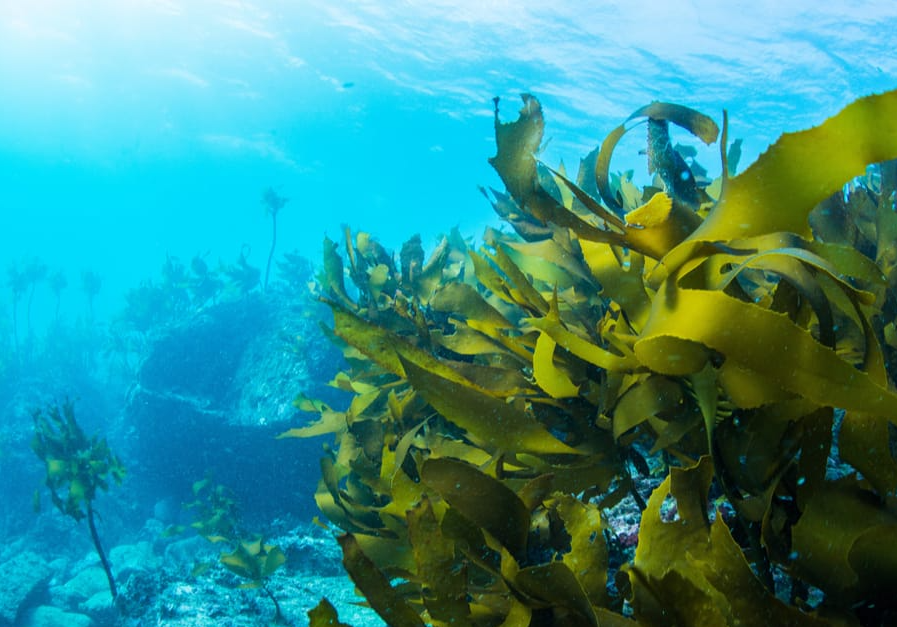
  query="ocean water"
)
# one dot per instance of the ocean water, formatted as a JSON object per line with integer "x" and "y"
{"x": 135, "y": 131}
{"x": 131, "y": 130}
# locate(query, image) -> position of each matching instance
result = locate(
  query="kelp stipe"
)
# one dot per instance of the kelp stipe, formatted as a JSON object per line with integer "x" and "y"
{"x": 273, "y": 204}
{"x": 502, "y": 404}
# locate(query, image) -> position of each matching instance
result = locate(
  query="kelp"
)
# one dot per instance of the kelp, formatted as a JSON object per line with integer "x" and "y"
{"x": 709, "y": 336}
{"x": 77, "y": 467}
{"x": 215, "y": 517}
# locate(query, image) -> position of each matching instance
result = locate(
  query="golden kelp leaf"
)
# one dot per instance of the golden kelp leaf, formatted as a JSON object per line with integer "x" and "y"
{"x": 464, "y": 340}
{"x": 444, "y": 582}
{"x": 778, "y": 191}
{"x": 534, "y": 491}
{"x": 491, "y": 421}
{"x": 324, "y": 615}
{"x": 693, "y": 121}
{"x": 517, "y": 142}
{"x": 653, "y": 396}
{"x": 659, "y": 225}
{"x": 549, "y": 377}
{"x": 520, "y": 287}
{"x": 240, "y": 563}
{"x": 584, "y": 349}
{"x": 874, "y": 558}
{"x": 825, "y": 542}
{"x": 690, "y": 571}
{"x": 329, "y": 422}
{"x": 610, "y": 221}
{"x": 527, "y": 227}
{"x": 461, "y": 299}
{"x": 591, "y": 473}
{"x": 378, "y": 278}
{"x": 652, "y": 214}
{"x": 431, "y": 275}
{"x": 384, "y": 347}
{"x": 620, "y": 279}
{"x": 274, "y": 559}
{"x": 587, "y": 558}
{"x": 332, "y": 273}
{"x": 747, "y": 388}
{"x": 555, "y": 585}
{"x": 375, "y": 586}
{"x": 548, "y": 261}
{"x": 867, "y": 443}
{"x": 391, "y": 555}
{"x": 481, "y": 499}
{"x": 757, "y": 339}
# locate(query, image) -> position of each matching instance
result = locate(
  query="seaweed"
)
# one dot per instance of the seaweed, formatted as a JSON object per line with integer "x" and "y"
{"x": 274, "y": 202}
{"x": 216, "y": 518}
{"x": 91, "y": 283}
{"x": 77, "y": 467}
{"x": 503, "y": 397}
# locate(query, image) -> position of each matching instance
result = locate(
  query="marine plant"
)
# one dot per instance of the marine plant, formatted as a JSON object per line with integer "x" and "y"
{"x": 58, "y": 282}
{"x": 213, "y": 510}
{"x": 256, "y": 561}
{"x": 35, "y": 272}
{"x": 17, "y": 281}
{"x": 215, "y": 517}
{"x": 244, "y": 277}
{"x": 76, "y": 467}
{"x": 295, "y": 271}
{"x": 91, "y": 283}
{"x": 699, "y": 341}
{"x": 273, "y": 202}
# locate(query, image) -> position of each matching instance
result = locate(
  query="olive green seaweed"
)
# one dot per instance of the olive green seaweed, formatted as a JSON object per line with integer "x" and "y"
{"x": 704, "y": 337}
{"x": 215, "y": 517}
{"x": 76, "y": 467}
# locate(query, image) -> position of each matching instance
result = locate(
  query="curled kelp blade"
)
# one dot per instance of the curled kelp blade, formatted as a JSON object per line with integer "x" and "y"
{"x": 779, "y": 190}
{"x": 517, "y": 144}
{"x": 698, "y": 124}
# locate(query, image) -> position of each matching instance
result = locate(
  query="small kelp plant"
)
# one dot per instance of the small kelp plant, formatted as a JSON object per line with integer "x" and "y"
{"x": 691, "y": 344}
{"x": 76, "y": 468}
{"x": 273, "y": 202}
{"x": 255, "y": 561}
{"x": 215, "y": 517}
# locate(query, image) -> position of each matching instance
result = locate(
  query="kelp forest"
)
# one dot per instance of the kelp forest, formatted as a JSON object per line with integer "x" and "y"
{"x": 717, "y": 355}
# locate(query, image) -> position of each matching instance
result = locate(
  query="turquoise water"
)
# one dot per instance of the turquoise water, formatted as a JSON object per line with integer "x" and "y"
{"x": 135, "y": 131}
{"x": 131, "y": 130}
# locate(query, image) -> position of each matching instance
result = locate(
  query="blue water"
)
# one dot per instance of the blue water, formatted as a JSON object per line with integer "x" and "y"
{"x": 134, "y": 129}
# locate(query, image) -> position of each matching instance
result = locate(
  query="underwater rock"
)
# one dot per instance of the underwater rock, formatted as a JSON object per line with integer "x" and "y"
{"x": 240, "y": 361}
{"x": 129, "y": 558}
{"x": 48, "y": 616}
{"x": 82, "y": 586}
{"x": 24, "y": 577}
{"x": 216, "y": 390}
{"x": 190, "y": 550}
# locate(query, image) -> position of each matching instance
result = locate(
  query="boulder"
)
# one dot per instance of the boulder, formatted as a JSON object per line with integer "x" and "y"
{"x": 214, "y": 393}
{"x": 48, "y": 616}
{"x": 24, "y": 578}
{"x": 128, "y": 558}
{"x": 82, "y": 586}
